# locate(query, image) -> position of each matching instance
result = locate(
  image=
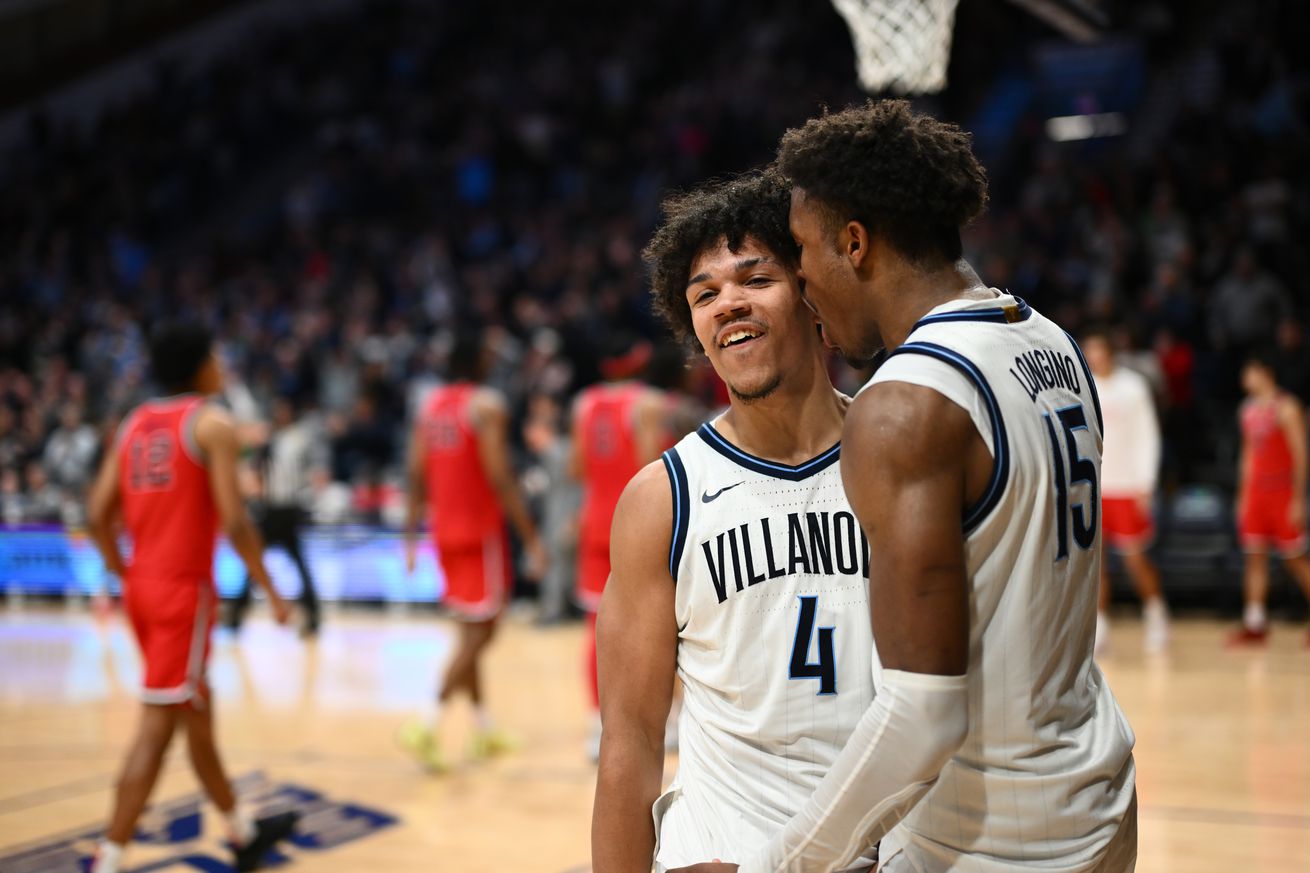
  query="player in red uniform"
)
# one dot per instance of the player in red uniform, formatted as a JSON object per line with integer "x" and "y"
{"x": 172, "y": 476}
{"x": 619, "y": 426}
{"x": 459, "y": 458}
{"x": 1271, "y": 492}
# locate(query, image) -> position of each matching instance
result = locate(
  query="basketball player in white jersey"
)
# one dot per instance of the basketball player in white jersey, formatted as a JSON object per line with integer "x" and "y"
{"x": 972, "y": 460}
{"x": 1129, "y": 468}
{"x": 737, "y": 562}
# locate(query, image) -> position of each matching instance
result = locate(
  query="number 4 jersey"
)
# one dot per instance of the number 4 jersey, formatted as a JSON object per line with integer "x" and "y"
{"x": 774, "y": 644}
{"x": 1046, "y": 775}
{"x": 168, "y": 508}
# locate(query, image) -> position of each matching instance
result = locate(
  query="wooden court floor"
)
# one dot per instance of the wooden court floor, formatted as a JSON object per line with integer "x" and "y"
{"x": 1223, "y": 742}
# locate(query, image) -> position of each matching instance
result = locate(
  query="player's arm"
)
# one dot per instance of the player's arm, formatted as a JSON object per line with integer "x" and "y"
{"x": 102, "y": 510}
{"x": 636, "y": 644}
{"x": 909, "y": 493}
{"x": 1291, "y": 417}
{"x": 415, "y": 490}
{"x": 651, "y": 426}
{"x": 491, "y": 420}
{"x": 1148, "y": 444}
{"x": 1243, "y": 467}
{"x": 216, "y": 434}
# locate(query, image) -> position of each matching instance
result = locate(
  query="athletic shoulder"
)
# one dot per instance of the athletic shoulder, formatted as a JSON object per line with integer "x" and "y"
{"x": 1289, "y": 406}
{"x": 888, "y": 421}
{"x": 643, "y": 517}
{"x": 653, "y": 397}
{"x": 486, "y": 401}
{"x": 649, "y": 492}
{"x": 214, "y": 425}
{"x": 1140, "y": 384}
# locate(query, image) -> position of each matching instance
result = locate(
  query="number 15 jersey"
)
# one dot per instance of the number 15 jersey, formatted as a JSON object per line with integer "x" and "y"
{"x": 774, "y": 642}
{"x": 1045, "y": 775}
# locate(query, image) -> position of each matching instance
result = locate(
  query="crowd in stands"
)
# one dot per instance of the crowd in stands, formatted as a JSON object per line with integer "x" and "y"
{"x": 339, "y": 199}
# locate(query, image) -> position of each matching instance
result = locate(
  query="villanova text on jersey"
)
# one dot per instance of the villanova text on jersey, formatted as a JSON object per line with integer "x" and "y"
{"x": 775, "y": 648}
{"x": 813, "y": 543}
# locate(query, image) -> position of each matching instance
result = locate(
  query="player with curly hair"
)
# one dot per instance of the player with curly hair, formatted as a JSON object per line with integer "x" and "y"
{"x": 737, "y": 563}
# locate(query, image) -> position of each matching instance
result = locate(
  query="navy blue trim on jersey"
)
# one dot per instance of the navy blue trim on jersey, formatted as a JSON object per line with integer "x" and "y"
{"x": 797, "y": 473}
{"x": 681, "y": 508}
{"x": 1091, "y": 383}
{"x": 996, "y": 315}
{"x": 1001, "y": 464}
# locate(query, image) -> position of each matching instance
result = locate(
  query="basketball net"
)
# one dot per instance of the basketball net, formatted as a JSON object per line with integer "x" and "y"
{"x": 901, "y": 46}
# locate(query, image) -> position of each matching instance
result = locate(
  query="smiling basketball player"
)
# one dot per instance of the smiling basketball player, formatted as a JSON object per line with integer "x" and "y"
{"x": 737, "y": 562}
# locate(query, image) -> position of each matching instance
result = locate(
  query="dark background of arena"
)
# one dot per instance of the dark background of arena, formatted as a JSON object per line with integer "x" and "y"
{"x": 339, "y": 190}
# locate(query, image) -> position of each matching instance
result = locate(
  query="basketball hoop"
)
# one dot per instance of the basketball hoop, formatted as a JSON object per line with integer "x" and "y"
{"x": 901, "y": 46}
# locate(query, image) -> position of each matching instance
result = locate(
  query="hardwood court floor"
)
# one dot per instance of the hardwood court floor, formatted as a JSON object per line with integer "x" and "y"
{"x": 1223, "y": 740}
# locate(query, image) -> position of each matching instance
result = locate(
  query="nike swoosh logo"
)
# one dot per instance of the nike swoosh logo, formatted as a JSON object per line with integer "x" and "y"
{"x": 707, "y": 497}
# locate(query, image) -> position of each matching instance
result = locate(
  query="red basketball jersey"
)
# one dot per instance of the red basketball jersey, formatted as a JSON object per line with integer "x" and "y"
{"x": 1271, "y": 457}
{"x": 168, "y": 505}
{"x": 609, "y": 451}
{"x": 464, "y": 507}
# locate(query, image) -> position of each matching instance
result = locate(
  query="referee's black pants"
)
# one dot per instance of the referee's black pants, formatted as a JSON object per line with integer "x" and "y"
{"x": 280, "y": 527}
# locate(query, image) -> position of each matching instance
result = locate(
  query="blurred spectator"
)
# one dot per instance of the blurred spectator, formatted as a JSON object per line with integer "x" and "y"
{"x": 70, "y": 452}
{"x": 13, "y": 504}
{"x": 330, "y": 501}
{"x": 44, "y": 503}
{"x": 12, "y": 449}
{"x": 1292, "y": 359}
{"x": 558, "y": 499}
{"x": 1247, "y": 307}
{"x": 362, "y": 445}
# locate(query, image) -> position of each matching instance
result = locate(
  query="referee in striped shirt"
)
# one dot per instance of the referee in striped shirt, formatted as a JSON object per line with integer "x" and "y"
{"x": 284, "y": 466}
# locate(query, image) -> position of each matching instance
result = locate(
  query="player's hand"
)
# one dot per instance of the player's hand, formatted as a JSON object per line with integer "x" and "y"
{"x": 281, "y": 609}
{"x": 711, "y": 867}
{"x": 1296, "y": 513}
{"x": 538, "y": 559}
{"x": 1144, "y": 504}
{"x": 411, "y": 557}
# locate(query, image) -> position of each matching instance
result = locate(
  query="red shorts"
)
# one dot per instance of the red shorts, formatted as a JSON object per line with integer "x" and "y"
{"x": 1127, "y": 528}
{"x": 477, "y": 577}
{"x": 172, "y": 621}
{"x": 593, "y": 573}
{"x": 1264, "y": 523}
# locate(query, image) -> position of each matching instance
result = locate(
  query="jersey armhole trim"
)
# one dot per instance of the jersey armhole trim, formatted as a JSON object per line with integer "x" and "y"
{"x": 1091, "y": 383}
{"x": 188, "y": 433}
{"x": 974, "y": 515}
{"x": 681, "y": 508}
{"x": 120, "y": 436}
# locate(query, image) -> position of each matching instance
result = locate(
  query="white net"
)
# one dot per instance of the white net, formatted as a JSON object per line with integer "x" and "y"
{"x": 901, "y": 46}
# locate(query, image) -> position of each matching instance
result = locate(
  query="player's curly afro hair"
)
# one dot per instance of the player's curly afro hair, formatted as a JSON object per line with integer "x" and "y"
{"x": 754, "y": 205}
{"x": 905, "y": 176}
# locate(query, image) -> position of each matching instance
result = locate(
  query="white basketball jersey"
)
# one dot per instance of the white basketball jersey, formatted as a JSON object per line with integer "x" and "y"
{"x": 774, "y": 642}
{"x": 1046, "y": 773}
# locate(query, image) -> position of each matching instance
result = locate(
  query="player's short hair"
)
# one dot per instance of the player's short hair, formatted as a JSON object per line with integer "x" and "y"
{"x": 464, "y": 363}
{"x": 754, "y": 205}
{"x": 1097, "y": 331}
{"x": 1264, "y": 359}
{"x": 905, "y": 176}
{"x": 178, "y": 351}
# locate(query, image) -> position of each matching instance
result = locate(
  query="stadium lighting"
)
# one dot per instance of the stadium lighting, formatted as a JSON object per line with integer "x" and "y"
{"x": 1069, "y": 128}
